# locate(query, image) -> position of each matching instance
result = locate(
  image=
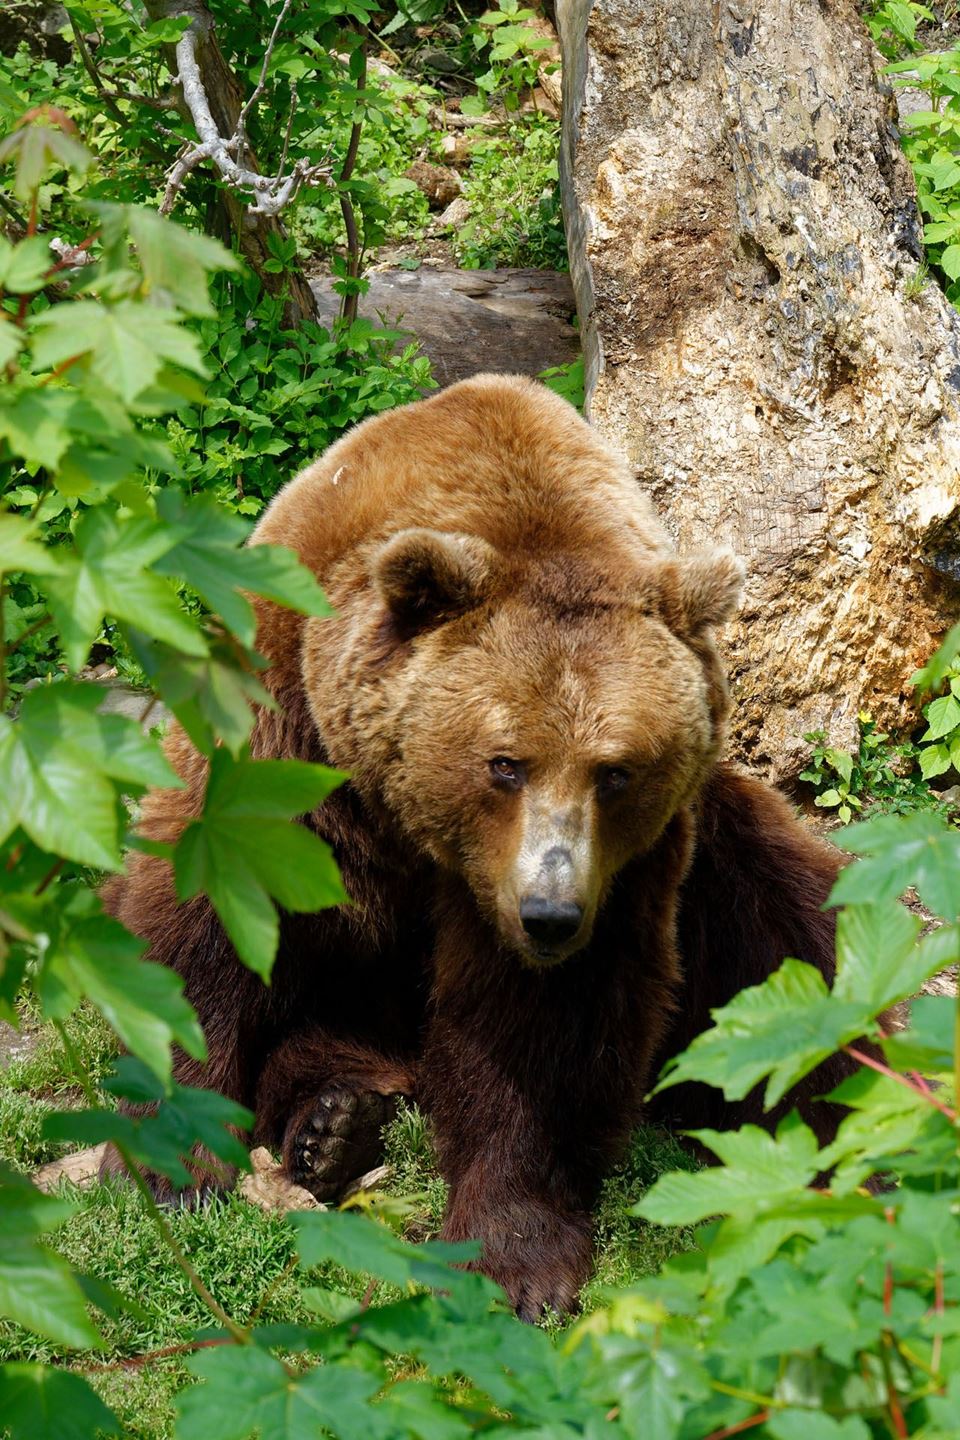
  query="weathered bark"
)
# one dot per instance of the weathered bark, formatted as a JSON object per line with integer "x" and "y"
{"x": 225, "y": 99}
{"x": 744, "y": 246}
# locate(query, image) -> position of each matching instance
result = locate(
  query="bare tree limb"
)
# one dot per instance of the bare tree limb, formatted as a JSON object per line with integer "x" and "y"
{"x": 273, "y": 193}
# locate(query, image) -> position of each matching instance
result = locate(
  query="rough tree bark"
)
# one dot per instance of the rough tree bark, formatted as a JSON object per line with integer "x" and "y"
{"x": 226, "y": 99}
{"x": 744, "y": 246}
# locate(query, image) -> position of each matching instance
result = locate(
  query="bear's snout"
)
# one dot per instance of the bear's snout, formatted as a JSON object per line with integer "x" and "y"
{"x": 550, "y": 922}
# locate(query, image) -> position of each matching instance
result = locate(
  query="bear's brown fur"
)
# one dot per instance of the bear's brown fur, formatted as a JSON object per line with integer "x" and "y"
{"x": 552, "y": 876}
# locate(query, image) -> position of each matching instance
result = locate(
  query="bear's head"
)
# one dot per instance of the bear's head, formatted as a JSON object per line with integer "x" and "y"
{"x": 530, "y": 724}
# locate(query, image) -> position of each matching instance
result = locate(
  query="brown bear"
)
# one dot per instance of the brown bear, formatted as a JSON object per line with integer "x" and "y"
{"x": 553, "y": 879}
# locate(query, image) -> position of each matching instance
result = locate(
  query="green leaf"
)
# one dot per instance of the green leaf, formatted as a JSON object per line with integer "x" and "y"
{"x": 244, "y": 850}
{"x": 782, "y": 1028}
{"x": 934, "y": 760}
{"x": 40, "y": 1402}
{"x": 247, "y": 1391}
{"x": 902, "y": 850}
{"x": 207, "y": 553}
{"x": 37, "y": 1289}
{"x": 36, "y": 425}
{"x": 176, "y": 261}
{"x": 23, "y": 267}
{"x": 20, "y": 550}
{"x": 938, "y": 667}
{"x": 756, "y": 1167}
{"x": 365, "y": 1247}
{"x": 177, "y": 1119}
{"x": 950, "y": 261}
{"x": 58, "y": 760}
{"x": 943, "y": 715}
{"x": 878, "y": 959}
{"x": 127, "y": 343}
{"x": 97, "y": 958}
{"x": 210, "y": 696}
{"x": 39, "y": 143}
{"x": 927, "y": 1046}
{"x": 653, "y": 1385}
{"x": 110, "y": 575}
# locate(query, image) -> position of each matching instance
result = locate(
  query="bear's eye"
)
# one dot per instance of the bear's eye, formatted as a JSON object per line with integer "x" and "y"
{"x": 508, "y": 772}
{"x": 611, "y": 778}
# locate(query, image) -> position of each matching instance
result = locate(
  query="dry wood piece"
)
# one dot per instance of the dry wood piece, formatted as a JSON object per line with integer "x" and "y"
{"x": 744, "y": 245}
{"x": 80, "y": 1168}
{"x": 267, "y": 1187}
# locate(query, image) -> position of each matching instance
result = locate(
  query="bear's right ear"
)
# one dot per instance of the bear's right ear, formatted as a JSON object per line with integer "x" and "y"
{"x": 427, "y": 577}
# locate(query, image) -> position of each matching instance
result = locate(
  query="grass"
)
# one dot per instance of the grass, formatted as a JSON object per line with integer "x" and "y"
{"x": 245, "y": 1257}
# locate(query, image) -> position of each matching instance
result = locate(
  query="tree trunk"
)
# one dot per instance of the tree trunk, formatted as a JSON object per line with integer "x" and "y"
{"x": 226, "y": 99}
{"x": 744, "y": 246}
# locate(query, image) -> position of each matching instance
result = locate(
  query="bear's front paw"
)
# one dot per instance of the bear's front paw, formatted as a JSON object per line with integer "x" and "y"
{"x": 336, "y": 1138}
{"x": 540, "y": 1257}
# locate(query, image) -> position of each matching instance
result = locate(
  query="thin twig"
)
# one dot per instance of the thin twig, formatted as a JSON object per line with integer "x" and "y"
{"x": 237, "y": 1332}
{"x": 882, "y": 1069}
{"x": 133, "y": 1362}
{"x": 747, "y": 1424}
{"x": 271, "y": 193}
{"x": 350, "y": 301}
{"x": 24, "y": 635}
{"x": 240, "y": 131}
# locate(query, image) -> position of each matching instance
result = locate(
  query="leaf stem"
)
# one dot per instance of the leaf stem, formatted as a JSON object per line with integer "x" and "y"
{"x": 237, "y": 1332}
{"x": 881, "y": 1069}
{"x": 747, "y": 1424}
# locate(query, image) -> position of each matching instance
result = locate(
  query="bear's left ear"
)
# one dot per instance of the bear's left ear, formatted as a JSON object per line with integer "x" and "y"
{"x": 702, "y": 590}
{"x": 427, "y": 577}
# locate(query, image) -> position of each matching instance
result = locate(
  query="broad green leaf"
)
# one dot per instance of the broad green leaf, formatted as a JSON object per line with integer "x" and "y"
{"x": 938, "y": 667}
{"x": 210, "y": 695}
{"x": 43, "y": 1402}
{"x": 653, "y": 1385}
{"x": 902, "y": 850}
{"x": 756, "y": 1167}
{"x": 927, "y": 1046}
{"x": 878, "y": 959}
{"x": 36, "y": 425}
{"x": 943, "y": 715}
{"x": 782, "y": 1028}
{"x": 934, "y": 760}
{"x": 58, "y": 760}
{"x": 24, "y": 266}
{"x": 178, "y": 1119}
{"x": 245, "y": 850}
{"x": 97, "y": 958}
{"x": 175, "y": 261}
{"x": 37, "y": 1289}
{"x": 247, "y": 1392}
{"x": 21, "y": 549}
{"x": 39, "y": 143}
{"x": 127, "y": 343}
{"x": 208, "y": 553}
{"x": 365, "y": 1247}
{"x": 110, "y": 575}
{"x": 113, "y": 744}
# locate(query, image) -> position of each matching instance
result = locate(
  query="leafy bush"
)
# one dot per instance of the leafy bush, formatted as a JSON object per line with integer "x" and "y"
{"x": 513, "y": 192}
{"x": 893, "y": 777}
{"x": 279, "y": 397}
{"x": 882, "y": 775}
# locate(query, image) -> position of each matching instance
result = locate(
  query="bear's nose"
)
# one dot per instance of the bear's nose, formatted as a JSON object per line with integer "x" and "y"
{"x": 551, "y": 922}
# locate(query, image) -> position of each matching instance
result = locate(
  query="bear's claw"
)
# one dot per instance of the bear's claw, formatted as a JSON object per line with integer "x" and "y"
{"x": 340, "y": 1140}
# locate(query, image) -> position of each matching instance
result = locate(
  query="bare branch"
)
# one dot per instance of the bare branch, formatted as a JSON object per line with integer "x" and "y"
{"x": 272, "y": 193}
